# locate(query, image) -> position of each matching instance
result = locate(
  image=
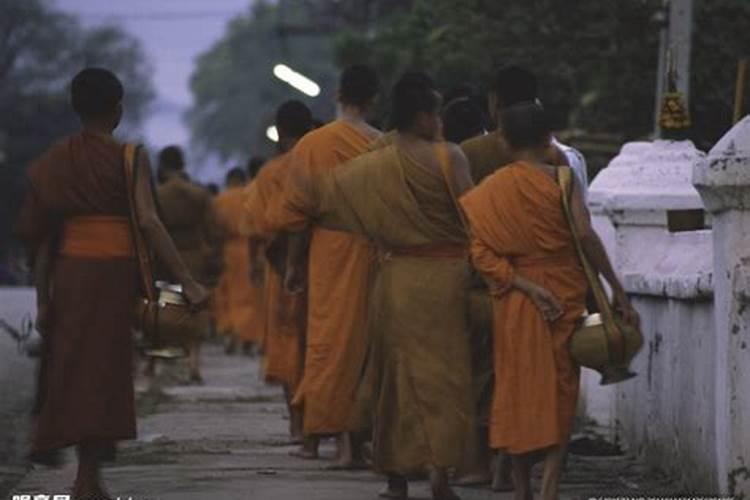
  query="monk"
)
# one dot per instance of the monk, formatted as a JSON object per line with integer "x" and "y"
{"x": 402, "y": 196}
{"x": 188, "y": 214}
{"x": 337, "y": 279}
{"x": 487, "y": 153}
{"x": 285, "y": 313}
{"x": 522, "y": 244}
{"x": 243, "y": 302}
{"x": 75, "y": 224}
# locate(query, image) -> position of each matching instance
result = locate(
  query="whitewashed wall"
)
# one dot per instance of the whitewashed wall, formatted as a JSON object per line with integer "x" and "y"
{"x": 661, "y": 414}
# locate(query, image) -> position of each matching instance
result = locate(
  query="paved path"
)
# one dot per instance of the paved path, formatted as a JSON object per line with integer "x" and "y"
{"x": 227, "y": 440}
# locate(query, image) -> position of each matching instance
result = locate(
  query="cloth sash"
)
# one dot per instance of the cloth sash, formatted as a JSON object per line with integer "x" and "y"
{"x": 562, "y": 257}
{"x": 97, "y": 237}
{"x": 432, "y": 250}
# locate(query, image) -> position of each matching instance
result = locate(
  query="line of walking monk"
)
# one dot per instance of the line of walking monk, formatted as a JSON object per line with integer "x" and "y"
{"x": 408, "y": 292}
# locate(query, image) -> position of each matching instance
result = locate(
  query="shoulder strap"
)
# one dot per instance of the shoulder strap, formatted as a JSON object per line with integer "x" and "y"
{"x": 616, "y": 342}
{"x": 444, "y": 159}
{"x": 132, "y": 153}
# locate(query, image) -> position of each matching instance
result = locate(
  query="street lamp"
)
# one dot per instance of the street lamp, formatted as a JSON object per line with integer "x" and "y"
{"x": 296, "y": 80}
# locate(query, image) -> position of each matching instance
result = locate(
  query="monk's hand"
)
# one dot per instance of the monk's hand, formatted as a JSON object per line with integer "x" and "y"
{"x": 294, "y": 279}
{"x": 621, "y": 303}
{"x": 43, "y": 320}
{"x": 196, "y": 294}
{"x": 547, "y": 303}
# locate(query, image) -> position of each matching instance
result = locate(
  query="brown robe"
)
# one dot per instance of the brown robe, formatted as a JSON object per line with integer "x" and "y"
{"x": 416, "y": 383}
{"x": 86, "y": 382}
{"x": 188, "y": 214}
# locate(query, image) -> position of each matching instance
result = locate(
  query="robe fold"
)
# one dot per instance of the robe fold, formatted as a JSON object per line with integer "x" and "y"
{"x": 239, "y": 304}
{"x": 416, "y": 383}
{"x": 285, "y": 313}
{"x": 518, "y": 226}
{"x": 338, "y": 276}
{"x": 85, "y": 389}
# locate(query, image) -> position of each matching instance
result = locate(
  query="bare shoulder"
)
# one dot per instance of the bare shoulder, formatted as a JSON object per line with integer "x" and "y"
{"x": 457, "y": 154}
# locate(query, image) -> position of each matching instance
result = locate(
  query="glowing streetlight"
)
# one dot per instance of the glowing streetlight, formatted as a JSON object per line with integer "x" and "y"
{"x": 296, "y": 80}
{"x": 272, "y": 133}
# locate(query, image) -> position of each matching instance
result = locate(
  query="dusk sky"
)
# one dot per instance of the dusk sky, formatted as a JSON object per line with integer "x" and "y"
{"x": 174, "y": 33}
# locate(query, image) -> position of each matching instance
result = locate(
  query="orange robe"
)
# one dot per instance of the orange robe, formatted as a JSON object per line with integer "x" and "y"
{"x": 285, "y": 314}
{"x": 524, "y": 231}
{"x": 242, "y": 303}
{"x": 338, "y": 279}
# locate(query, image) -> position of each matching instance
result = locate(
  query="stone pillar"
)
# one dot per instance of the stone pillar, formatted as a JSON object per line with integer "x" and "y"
{"x": 723, "y": 181}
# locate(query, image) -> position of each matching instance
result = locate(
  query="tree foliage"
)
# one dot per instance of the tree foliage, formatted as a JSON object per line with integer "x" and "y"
{"x": 596, "y": 60}
{"x": 235, "y": 93}
{"x": 41, "y": 49}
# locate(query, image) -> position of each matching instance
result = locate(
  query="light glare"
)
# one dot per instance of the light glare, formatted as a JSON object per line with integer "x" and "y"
{"x": 296, "y": 80}
{"x": 272, "y": 133}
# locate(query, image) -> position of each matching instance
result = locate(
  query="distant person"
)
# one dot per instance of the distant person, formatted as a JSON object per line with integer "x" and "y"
{"x": 188, "y": 214}
{"x": 514, "y": 85}
{"x": 75, "y": 223}
{"x": 522, "y": 243}
{"x": 337, "y": 276}
{"x": 242, "y": 302}
{"x": 462, "y": 120}
{"x": 212, "y": 188}
{"x": 285, "y": 312}
{"x": 254, "y": 164}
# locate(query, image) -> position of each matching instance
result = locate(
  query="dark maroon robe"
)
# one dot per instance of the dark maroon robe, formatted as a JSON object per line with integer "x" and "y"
{"x": 86, "y": 378}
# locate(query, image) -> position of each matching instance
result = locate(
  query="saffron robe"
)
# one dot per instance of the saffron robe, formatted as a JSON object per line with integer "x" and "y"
{"x": 242, "y": 302}
{"x": 338, "y": 276}
{"x": 285, "y": 313}
{"x": 518, "y": 226}
{"x": 486, "y": 154}
{"x": 417, "y": 378}
{"x": 86, "y": 369}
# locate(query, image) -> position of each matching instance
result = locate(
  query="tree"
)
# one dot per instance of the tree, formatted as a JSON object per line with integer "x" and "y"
{"x": 720, "y": 38}
{"x": 596, "y": 60}
{"x": 235, "y": 93}
{"x": 41, "y": 49}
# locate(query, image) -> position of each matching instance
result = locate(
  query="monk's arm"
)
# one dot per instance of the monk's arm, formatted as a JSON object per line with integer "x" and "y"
{"x": 296, "y": 258}
{"x": 42, "y": 282}
{"x": 158, "y": 238}
{"x": 504, "y": 278}
{"x": 597, "y": 254}
{"x": 461, "y": 171}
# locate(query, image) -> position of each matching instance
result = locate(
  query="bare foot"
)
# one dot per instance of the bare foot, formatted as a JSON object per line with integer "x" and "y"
{"x": 397, "y": 488}
{"x": 94, "y": 491}
{"x": 441, "y": 490}
{"x": 501, "y": 479}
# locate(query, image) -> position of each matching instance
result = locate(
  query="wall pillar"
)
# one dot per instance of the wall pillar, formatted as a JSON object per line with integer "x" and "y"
{"x": 723, "y": 181}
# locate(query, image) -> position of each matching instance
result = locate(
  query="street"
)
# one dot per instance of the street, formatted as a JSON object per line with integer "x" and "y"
{"x": 227, "y": 440}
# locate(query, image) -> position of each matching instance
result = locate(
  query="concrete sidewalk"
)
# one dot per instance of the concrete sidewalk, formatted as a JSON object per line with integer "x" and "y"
{"x": 227, "y": 440}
